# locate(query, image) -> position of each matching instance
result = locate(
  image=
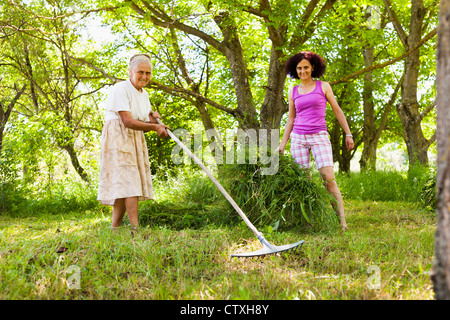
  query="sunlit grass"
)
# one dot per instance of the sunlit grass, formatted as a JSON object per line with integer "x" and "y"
{"x": 37, "y": 252}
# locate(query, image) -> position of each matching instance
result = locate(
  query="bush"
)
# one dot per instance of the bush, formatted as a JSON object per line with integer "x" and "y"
{"x": 388, "y": 185}
{"x": 64, "y": 197}
{"x": 428, "y": 196}
{"x": 286, "y": 199}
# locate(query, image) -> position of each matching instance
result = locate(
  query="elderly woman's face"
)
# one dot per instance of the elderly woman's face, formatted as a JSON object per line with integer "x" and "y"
{"x": 304, "y": 69}
{"x": 140, "y": 75}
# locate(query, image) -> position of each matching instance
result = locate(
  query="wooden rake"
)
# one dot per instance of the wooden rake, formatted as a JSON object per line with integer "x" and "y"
{"x": 267, "y": 248}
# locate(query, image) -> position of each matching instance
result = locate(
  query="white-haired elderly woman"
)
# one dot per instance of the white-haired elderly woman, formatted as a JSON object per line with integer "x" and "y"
{"x": 125, "y": 177}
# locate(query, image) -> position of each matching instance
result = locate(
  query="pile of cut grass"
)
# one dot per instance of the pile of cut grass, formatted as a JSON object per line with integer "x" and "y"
{"x": 289, "y": 198}
{"x": 185, "y": 198}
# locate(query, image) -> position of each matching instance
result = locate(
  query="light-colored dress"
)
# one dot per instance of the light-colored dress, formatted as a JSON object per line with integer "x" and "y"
{"x": 124, "y": 162}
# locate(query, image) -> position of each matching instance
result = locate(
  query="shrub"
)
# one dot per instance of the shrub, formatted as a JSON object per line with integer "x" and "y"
{"x": 415, "y": 185}
{"x": 427, "y": 195}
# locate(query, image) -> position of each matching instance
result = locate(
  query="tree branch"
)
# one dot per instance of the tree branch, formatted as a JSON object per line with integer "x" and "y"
{"x": 196, "y": 95}
{"x": 163, "y": 20}
{"x": 430, "y": 35}
{"x": 388, "y": 108}
{"x": 397, "y": 25}
{"x": 299, "y": 38}
{"x": 426, "y": 111}
{"x": 92, "y": 66}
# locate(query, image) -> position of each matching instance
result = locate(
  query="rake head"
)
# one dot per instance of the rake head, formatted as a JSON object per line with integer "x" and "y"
{"x": 269, "y": 248}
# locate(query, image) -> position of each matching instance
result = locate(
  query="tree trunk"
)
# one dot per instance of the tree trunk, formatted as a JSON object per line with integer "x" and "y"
{"x": 372, "y": 133}
{"x": 245, "y": 111}
{"x": 340, "y": 153}
{"x": 74, "y": 159}
{"x": 273, "y": 106}
{"x": 5, "y": 112}
{"x": 369, "y": 154}
{"x": 408, "y": 110}
{"x": 441, "y": 269}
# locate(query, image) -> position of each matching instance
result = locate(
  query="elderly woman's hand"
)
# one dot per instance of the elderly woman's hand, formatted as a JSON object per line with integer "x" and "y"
{"x": 161, "y": 130}
{"x": 153, "y": 115}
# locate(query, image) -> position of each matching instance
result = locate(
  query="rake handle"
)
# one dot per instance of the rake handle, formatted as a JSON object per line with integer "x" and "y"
{"x": 214, "y": 180}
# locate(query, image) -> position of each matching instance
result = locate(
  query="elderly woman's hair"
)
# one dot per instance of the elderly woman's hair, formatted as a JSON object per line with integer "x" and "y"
{"x": 139, "y": 58}
{"x": 313, "y": 58}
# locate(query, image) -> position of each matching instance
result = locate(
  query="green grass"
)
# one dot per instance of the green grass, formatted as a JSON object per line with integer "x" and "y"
{"x": 417, "y": 185}
{"x": 161, "y": 262}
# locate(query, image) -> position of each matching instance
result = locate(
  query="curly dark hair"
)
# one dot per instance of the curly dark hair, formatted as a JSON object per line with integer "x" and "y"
{"x": 313, "y": 58}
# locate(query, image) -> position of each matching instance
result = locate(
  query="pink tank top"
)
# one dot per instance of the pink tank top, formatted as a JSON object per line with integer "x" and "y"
{"x": 310, "y": 110}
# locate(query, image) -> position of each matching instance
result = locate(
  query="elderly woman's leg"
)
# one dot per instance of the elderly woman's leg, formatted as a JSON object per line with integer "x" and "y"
{"x": 132, "y": 205}
{"x": 118, "y": 213}
{"x": 329, "y": 180}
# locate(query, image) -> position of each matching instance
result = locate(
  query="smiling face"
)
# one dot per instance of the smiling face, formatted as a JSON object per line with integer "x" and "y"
{"x": 140, "y": 75}
{"x": 304, "y": 69}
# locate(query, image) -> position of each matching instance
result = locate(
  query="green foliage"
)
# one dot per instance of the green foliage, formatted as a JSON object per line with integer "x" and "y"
{"x": 8, "y": 184}
{"x": 70, "y": 196}
{"x": 428, "y": 192}
{"x": 286, "y": 199}
{"x": 389, "y": 185}
{"x": 160, "y": 150}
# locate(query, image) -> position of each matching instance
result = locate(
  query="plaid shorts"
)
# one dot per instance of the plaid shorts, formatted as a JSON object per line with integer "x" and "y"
{"x": 319, "y": 144}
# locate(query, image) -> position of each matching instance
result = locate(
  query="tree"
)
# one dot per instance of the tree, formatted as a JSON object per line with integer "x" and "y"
{"x": 441, "y": 269}
{"x": 374, "y": 123}
{"x": 6, "y": 108}
{"x": 222, "y": 27}
{"x": 40, "y": 51}
{"x": 225, "y": 58}
{"x": 409, "y": 109}
{"x": 226, "y": 34}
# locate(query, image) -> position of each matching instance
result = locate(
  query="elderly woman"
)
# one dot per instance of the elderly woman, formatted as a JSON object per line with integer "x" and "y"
{"x": 306, "y": 124}
{"x": 125, "y": 177}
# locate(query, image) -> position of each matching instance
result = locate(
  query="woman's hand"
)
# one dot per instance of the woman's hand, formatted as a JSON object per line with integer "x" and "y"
{"x": 153, "y": 115}
{"x": 349, "y": 142}
{"x": 280, "y": 149}
{"x": 161, "y": 130}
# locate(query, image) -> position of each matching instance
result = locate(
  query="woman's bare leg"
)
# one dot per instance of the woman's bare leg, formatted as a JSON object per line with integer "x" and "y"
{"x": 329, "y": 180}
{"x": 129, "y": 205}
{"x": 118, "y": 213}
{"x": 132, "y": 205}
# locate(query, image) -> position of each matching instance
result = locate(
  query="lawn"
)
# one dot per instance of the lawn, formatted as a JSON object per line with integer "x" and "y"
{"x": 387, "y": 253}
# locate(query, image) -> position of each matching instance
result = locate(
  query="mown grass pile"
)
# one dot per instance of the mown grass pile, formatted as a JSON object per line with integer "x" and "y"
{"x": 185, "y": 198}
{"x": 289, "y": 198}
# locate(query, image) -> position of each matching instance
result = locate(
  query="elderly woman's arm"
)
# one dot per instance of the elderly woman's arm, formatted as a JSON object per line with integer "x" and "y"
{"x": 134, "y": 124}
